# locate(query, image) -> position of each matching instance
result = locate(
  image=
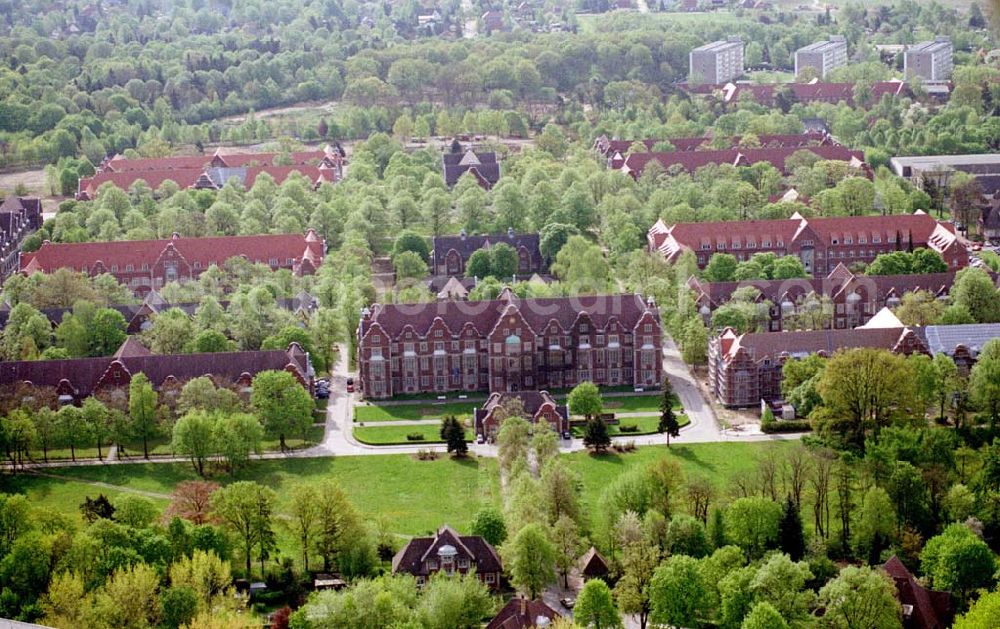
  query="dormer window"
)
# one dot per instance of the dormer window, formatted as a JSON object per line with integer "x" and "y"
{"x": 129, "y": 268}
{"x": 848, "y": 240}
{"x": 834, "y": 241}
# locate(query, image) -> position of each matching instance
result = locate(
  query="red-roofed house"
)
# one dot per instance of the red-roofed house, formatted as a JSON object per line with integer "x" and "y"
{"x": 815, "y": 92}
{"x": 79, "y": 378}
{"x": 145, "y": 265}
{"x": 607, "y": 147}
{"x": 855, "y": 297}
{"x": 820, "y": 243}
{"x": 201, "y": 172}
{"x": 635, "y": 163}
{"x": 520, "y": 613}
{"x": 539, "y": 407}
{"x": 19, "y": 218}
{"x": 509, "y": 344}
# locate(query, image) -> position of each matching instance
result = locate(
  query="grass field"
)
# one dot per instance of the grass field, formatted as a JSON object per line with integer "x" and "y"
{"x": 380, "y": 413}
{"x": 382, "y": 435}
{"x": 647, "y": 426}
{"x": 413, "y": 496}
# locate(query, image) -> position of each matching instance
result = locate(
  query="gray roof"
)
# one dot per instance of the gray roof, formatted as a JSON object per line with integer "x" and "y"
{"x": 945, "y": 338}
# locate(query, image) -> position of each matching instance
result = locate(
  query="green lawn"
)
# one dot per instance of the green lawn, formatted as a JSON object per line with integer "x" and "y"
{"x": 635, "y": 404}
{"x": 647, "y": 425}
{"x": 414, "y": 496}
{"x": 385, "y": 413}
{"x": 718, "y": 462}
{"x": 382, "y": 435}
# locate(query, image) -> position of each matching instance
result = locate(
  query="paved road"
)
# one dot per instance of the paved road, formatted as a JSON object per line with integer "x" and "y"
{"x": 470, "y": 28}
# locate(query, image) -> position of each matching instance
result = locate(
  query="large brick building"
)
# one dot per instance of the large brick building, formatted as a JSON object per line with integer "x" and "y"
{"x": 820, "y": 243}
{"x": 19, "y": 218}
{"x": 508, "y": 344}
{"x": 539, "y": 407}
{"x": 72, "y": 380}
{"x": 202, "y": 172}
{"x": 145, "y": 265}
{"x": 452, "y": 253}
{"x": 634, "y": 164}
{"x": 745, "y": 369}
{"x": 771, "y": 95}
{"x": 854, "y": 298}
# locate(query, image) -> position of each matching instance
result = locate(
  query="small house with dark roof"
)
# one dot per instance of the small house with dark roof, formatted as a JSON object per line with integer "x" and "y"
{"x": 922, "y": 608}
{"x": 451, "y": 253}
{"x": 482, "y": 165}
{"x": 450, "y": 553}
{"x": 538, "y": 406}
{"x": 593, "y": 565}
{"x": 520, "y": 613}
{"x": 989, "y": 220}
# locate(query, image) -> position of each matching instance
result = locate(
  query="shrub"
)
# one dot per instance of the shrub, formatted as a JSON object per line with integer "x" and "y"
{"x": 426, "y": 455}
{"x": 624, "y": 446}
{"x": 797, "y": 425}
{"x": 415, "y": 436}
{"x": 628, "y": 428}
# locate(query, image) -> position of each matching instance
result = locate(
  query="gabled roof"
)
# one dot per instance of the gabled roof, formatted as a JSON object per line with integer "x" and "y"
{"x": 928, "y": 609}
{"x": 797, "y": 140}
{"x": 884, "y": 318}
{"x": 532, "y": 401}
{"x": 627, "y": 310}
{"x": 521, "y": 613}
{"x": 773, "y": 345}
{"x": 593, "y": 564}
{"x": 812, "y": 92}
{"x": 52, "y": 256}
{"x": 301, "y": 158}
{"x": 466, "y": 245}
{"x": 484, "y": 163}
{"x": 132, "y": 348}
{"x": 635, "y": 163}
{"x": 209, "y": 177}
{"x": 411, "y": 558}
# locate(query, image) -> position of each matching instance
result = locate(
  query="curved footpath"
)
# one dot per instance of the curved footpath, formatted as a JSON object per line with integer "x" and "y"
{"x": 338, "y": 437}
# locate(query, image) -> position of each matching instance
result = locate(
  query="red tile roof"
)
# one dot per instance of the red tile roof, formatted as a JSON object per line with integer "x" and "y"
{"x": 189, "y": 177}
{"x": 521, "y": 613}
{"x": 798, "y": 140}
{"x": 52, "y": 256}
{"x": 811, "y": 92}
{"x": 919, "y": 227}
{"x": 120, "y": 164}
{"x": 691, "y": 161}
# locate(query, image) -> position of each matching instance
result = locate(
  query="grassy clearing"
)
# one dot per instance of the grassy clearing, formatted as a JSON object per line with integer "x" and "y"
{"x": 635, "y": 404}
{"x": 718, "y": 462}
{"x": 415, "y": 497}
{"x": 647, "y": 426}
{"x": 383, "y": 413}
{"x": 385, "y": 435}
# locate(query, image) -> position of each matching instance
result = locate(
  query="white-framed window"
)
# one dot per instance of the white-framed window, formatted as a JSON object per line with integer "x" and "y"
{"x": 489, "y": 577}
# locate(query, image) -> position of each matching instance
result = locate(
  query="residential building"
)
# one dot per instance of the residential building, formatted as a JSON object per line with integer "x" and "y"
{"x": 929, "y": 60}
{"x": 19, "y": 218}
{"x": 820, "y": 243}
{"x": 145, "y": 265}
{"x": 138, "y": 316}
{"x": 854, "y": 297}
{"x": 451, "y": 253}
{"x": 822, "y": 56}
{"x": 509, "y": 344}
{"x": 539, "y": 408}
{"x": 73, "y": 380}
{"x": 923, "y": 608}
{"x": 616, "y": 149}
{"x": 745, "y": 369}
{"x": 200, "y": 172}
{"x": 492, "y": 21}
{"x": 936, "y": 170}
{"x": 450, "y": 553}
{"x": 520, "y": 613}
{"x": 482, "y": 165}
{"x": 989, "y": 220}
{"x": 718, "y": 62}
{"x": 689, "y": 161}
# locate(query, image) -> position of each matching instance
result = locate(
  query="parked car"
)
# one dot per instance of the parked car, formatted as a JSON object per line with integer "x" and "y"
{"x": 322, "y": 394}
{"x": 567, "y": 602}
{"x": 567, "y": 435}
{"x": 480, "y": 439}
{"x": 350, "y": 385}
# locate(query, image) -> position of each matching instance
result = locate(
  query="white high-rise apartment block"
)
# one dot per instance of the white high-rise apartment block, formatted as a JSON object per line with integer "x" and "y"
{"x": 929, "y": 60}
{"x": 717, "y": 63}
{"x": 823, "y": 56}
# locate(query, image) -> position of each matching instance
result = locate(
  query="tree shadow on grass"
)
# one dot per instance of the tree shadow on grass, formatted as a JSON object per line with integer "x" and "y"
{"x": 690, "y": 455}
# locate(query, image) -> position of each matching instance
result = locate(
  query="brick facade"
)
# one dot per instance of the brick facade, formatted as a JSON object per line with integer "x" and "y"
{"x": 145, "y": 265}
{"x": 820, "y": 243}
{"x": 509, "y": 344}
{"x": 539, "y": 408}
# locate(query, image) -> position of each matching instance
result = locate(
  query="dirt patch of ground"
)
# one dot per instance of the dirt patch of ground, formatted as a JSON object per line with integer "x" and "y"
{"x": 33, "y": 180}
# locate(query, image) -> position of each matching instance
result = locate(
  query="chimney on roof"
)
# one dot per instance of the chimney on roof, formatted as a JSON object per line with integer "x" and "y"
{"x": 524, "y": 606}
{"x": 175, "y": 236}
{"x": 510, "y": 233}
{"x": 462, "y": 234}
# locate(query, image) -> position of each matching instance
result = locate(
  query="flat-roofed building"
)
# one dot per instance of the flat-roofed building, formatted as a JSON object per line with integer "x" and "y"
{"x": 929, "y": 60}
{"x": 718, "y": 62}
{"x": 822, "y": 56}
